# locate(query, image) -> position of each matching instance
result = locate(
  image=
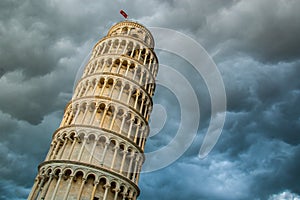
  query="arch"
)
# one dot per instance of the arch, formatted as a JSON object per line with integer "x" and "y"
{"x": 103, "y": 139}
{"x": 123, "y": 189}
{"x": 72, "y": 135}
{"x": 110, "y": 82}
{"x": 90, "y": 178}
{"x": 67, "y": 172}
{"x": 114, "y": 186}
{"x": 113, "y": 142}
{"x": 101, "y": 81}
{"x": 91, "y": 137}
{"x": 48, "y": 171}
{"x": 123, "y": 146}
{"x": 120, "y": 112}
{"x": 117, "y": 62}
{"x": 79, "y": 174}
{"x": 81, "y": 136}
{"x": 136, "y": 52}
{"x": 101, "y": 107}
{"x": 129, "y": 48}
{"x": 123, "y": 65}
{"x": 124, "y": 30}
{"x": 57, "y": 171}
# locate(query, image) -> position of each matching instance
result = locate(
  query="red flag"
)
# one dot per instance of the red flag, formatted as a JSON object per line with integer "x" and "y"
{"x": 122, "y": 12}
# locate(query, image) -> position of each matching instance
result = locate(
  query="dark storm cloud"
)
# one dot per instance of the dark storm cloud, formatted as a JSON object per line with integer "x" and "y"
{"x": 265, "y": 95}
{"x": 40, "y": 43}
{"x": 267, "y": 30}
{"x": 262, "y": 98}
{"x": 43, "y": 43}
{"x": 22, "y": 148}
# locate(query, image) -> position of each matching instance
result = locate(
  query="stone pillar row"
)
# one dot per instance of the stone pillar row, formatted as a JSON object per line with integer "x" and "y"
{"x": 96, "y": 150}
{"x": 118, "y": 68}
{"x": 115, "y": 88}
{"x": 134, "y": 33}
{"x": 123, "y": 65}
{"x": 51, "y": 180}
{"x": 109, "y": 117}
{"x": 134, "y": 49}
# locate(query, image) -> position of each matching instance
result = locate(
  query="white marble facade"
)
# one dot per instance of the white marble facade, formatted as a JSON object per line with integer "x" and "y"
{"x": 97, "y": 152}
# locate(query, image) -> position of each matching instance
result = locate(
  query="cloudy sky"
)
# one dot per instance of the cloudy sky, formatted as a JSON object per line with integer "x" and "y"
{"x": 255, "y": 45}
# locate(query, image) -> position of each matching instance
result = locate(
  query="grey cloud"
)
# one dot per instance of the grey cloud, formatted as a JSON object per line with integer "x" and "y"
{"x": 262, "y": 170}
{"x": 32, "y": 98}
{"x": 22, "y": 149}
{"x": 266, "y": 30}
{"x": 286, "y": 194}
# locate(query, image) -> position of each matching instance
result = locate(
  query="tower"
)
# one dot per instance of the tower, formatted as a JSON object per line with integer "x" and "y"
{"x": 97, "y": 152}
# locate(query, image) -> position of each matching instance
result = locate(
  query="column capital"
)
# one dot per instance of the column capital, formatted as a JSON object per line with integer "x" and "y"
{"x": 138, "y": 91}
{"x": 132, "y": 153}
{"x": 116, "y": 147}
{"x": 106, "y": 108}
{"x": 96, "y": 182}
{"x": 138, "y": 124}
{"x": 132, "y": 119}
{"x": 117, "y": 190}
{"x": 60, "y": 175}
{"x": 125, "y": 114}
{"x": 39, "y": 177}
{"x": 86, "y": 137}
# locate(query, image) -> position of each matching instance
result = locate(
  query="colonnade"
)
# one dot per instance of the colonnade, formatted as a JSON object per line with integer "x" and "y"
{"x": 124, "y": 68}
{"x": 104, "y": 150}
{"x": 128, "y": 47}
{"x": 75, "y": 181}
{"x": 134, "y": 32}
{"x": 109, "y": 117}
{"x": 116, "y": 88}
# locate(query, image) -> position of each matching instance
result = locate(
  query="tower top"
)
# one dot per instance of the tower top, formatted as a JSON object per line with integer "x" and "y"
{"x": 133, "y": 29}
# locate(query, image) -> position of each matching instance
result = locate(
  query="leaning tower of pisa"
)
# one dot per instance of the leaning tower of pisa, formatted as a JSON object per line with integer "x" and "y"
{"x": 97, "y": 151}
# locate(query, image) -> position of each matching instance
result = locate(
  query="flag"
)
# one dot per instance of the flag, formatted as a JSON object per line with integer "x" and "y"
{"x": 122, "y": 12}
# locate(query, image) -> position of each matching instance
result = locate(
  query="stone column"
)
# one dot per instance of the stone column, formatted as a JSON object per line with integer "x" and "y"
{"x": 94, "y": 189}
{"x": 72, "y": 147}
{"x": 81, "y": 188}
{"x": 122, "y": 124}
{"x": 123, "y": 161}
{"x": 104, "y": 152}
{"x": 82, "y": 147}
{"x": 103, "y": 116}
{"x": 116, "y": 190}
{"x": 93, "y": 150}
{"x": 113, "y": 119}
{"x": 116, "y": 148}
{"x": 56, "y": 186}
{"x": 106, "y": 186}
{"x": 68, "y": 188}
{"x": 47, "y": 186}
